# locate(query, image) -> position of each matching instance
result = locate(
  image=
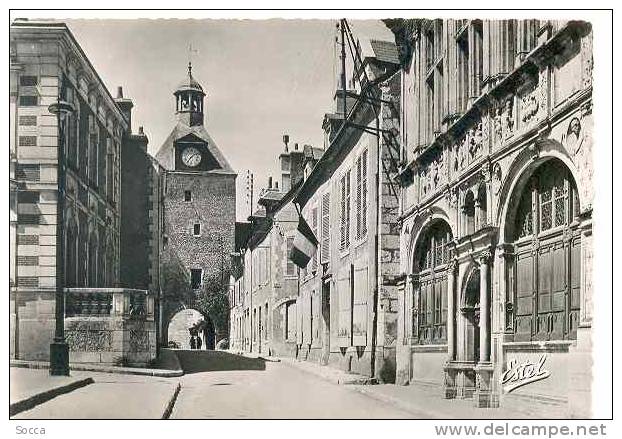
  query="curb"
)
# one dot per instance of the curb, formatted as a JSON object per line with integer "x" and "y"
{"x": 171, "y": 402}
{"x": 162, "y": 373}
{"x": 269, "y": 359}
{"x": 398, "y": 403}
{"x": 40, "y": 398}
{"x": 354, "y": 380}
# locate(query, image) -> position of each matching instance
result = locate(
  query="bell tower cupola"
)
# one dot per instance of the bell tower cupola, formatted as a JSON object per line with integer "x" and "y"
{"x": 189, "y": 100}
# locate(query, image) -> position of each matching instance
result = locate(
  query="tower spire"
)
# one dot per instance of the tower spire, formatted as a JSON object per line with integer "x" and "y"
{"x": 189, "y": 68}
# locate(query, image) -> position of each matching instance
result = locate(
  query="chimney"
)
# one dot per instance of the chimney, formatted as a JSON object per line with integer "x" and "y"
{"x": 296, "y": 165}
{"x": 286, "y": 141}
{"x": 285, "y": 161}
{"x": 339, "y": 97}
{"x": 125, "y": 105}
{"x": 141, "y": 139}
{"x": 270, "y": 182}
{"x": 276, "y": 185}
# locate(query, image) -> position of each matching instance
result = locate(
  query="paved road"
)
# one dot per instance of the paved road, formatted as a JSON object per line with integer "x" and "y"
{"x": 111, "y": 396}
{"x": 269, "y": 390}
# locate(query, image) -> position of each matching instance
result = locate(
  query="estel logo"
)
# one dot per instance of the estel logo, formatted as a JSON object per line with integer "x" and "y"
{"x": 518, "y": 375}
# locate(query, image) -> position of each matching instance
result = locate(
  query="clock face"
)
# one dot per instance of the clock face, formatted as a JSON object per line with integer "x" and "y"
{"x": 191, "y": 156}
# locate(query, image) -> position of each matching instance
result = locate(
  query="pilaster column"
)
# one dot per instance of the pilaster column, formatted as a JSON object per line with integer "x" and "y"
{"x": 451, "y": 310}
{"x": 585, "y": 313}
{"x": 484, "y": 308}
{"x": 478, "y": 214}
{"x": 414, "y": 307}
{"x": 402, "y": 315}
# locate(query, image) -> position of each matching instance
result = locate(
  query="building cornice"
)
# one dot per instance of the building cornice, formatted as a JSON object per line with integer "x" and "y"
{"x": 66, "y": 39}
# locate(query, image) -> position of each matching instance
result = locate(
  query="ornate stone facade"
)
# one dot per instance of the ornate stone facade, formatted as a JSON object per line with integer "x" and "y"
{"x": 516, "y": 200}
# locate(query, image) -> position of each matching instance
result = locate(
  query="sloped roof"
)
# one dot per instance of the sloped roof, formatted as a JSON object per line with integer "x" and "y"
{"x": 385, "y": 51}
{"x": 270, "y": 195}
{"x": 312, "y": 152}
{"x": 165, "y": 154}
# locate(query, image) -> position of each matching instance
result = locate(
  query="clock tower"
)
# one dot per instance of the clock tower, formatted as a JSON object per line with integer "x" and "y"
{"x": 198, "y": 209}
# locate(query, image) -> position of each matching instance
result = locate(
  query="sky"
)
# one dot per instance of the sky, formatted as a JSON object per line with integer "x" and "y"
{"x": 263, "y": 78}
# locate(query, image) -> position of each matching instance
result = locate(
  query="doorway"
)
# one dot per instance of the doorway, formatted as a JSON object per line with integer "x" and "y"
{"x": 470, "y": 311}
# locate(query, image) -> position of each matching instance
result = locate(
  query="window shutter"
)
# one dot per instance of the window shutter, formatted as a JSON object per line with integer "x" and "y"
{"x": 314, "y": 229}
{"x": 342, "y": 217}
{"x": 364, "y": 194}
{"x": 291, "y": 268}
{"x": 348, "y": 209}
{"x": 357, "y": 200}
{"x": 325, "y": 245}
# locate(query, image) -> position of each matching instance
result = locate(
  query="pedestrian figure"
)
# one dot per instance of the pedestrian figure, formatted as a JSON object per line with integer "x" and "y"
{"x": 193, "y": 343}
{"x": 199, "y": 342}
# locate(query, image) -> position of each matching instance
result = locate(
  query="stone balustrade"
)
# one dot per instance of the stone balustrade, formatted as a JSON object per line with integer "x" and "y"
{"x": 109, "y": 302}
{"x": 110, "y": 326}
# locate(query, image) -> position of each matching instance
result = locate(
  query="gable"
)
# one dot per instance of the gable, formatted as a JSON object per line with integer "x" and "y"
{"x": 168, "y": 155}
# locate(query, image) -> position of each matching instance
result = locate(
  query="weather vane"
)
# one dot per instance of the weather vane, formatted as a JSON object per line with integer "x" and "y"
{"x": 191, "y": 50}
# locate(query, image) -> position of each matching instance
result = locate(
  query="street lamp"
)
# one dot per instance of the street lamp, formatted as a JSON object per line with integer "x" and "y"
{"x": 59, "y": 350}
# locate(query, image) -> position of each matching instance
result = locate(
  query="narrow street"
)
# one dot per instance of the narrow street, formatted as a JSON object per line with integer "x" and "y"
{"x": 216, "y": 385}
{"x": 260, "y": 389}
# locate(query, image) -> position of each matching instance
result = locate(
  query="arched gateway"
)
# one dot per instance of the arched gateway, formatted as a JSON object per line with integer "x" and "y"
{"x": 182, "y": 323}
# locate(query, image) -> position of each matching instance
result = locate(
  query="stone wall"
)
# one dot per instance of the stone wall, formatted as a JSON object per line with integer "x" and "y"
{"x": 213, "y": 207}
{"x": 136, "y": 219}
{"x": 114, "y": 329}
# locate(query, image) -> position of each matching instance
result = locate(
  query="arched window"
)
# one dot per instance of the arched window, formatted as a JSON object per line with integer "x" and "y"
{"x": 430, "y": 292}
{"x": 547, "y": 256}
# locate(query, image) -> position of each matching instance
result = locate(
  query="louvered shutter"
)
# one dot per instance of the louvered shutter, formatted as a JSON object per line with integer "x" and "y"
{"x": 348, "y": 191}
{"x": 325, "y": 241}
{"x": 364, "y": 194}
{"x": 314, "y": 222}
{"x": 357, "y": 199}
{"x": 342, "y": 217}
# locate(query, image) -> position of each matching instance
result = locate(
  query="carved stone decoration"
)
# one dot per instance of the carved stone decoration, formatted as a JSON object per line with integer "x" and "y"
{"x": 139, "y": 340}
{"x": 485, "y": 134}
{"x": 533, "y": 101}
{"x": 496, "y": 178}
{"x": 578, "y": 143}
{"x": 475, "y": 141}
{"x": 452, "y": 197}
{"x": 529, "y": 106}
{"x": 433, "y": 174}
{"x": 508, "y": 119}
{"x": 486, "y": 172}
{"x": 503, "y": 121}
{"x": 85, "y": 340}
{"x": 497, "y": 135}
{"x": 424, "y": 181}
{"x": 440, "y": 175}
{"x": 462, "y": 151}
{"x": 485, "y": 257}
{"x": 587, "y": 60}
{"x": 471, "y": 146}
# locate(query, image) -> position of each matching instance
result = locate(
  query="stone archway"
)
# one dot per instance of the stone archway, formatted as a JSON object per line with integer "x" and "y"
{"x": 182, "y": 322}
